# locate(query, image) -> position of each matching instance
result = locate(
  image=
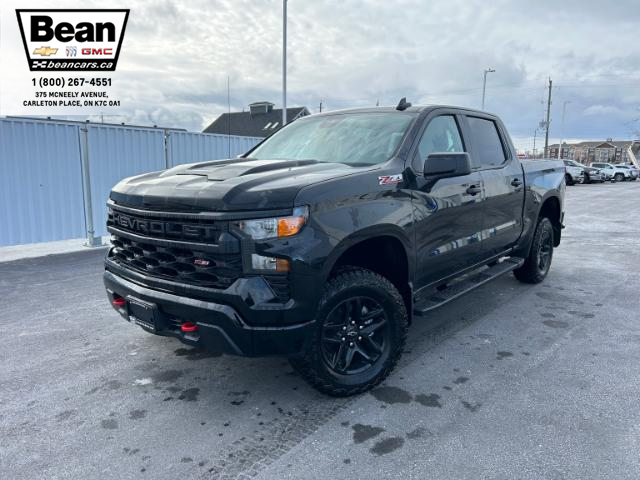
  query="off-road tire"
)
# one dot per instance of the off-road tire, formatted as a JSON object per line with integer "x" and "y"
{"x": 354, "y": 282}
{"x": 530, "y": 271}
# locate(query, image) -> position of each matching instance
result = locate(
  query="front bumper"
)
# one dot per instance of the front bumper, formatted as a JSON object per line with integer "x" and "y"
{"x": 221, "y": 328}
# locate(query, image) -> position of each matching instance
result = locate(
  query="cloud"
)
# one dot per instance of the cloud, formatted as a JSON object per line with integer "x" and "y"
{"x": 177, "y": 55}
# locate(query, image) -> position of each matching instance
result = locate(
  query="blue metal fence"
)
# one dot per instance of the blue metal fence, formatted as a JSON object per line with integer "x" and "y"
{"x": 55, "y": 177}
{"x": 115, "y": 153}
{"x": 40, "y": 182}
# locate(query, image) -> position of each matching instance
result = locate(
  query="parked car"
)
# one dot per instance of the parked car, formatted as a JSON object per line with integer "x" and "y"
{"x": 590, "y": 174}
{"x": 632, "y": 170}
{"x": 573, "y": 173}
{"x": 322, "y": 242}
{"x": 593, "y": 175}
{"x": 613, "y": 171}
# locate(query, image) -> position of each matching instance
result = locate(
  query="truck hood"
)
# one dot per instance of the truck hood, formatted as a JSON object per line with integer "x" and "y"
{"x": 226, "y": 185}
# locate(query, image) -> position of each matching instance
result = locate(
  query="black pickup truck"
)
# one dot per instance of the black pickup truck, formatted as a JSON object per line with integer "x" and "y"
{"x": 326, "y": 240}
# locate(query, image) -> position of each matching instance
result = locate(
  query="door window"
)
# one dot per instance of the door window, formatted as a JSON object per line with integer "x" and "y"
{"x": 488, "y": 151}
{"x": 441, "y": 135}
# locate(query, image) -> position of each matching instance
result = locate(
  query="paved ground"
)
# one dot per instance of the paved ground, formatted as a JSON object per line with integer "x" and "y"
{"x": 512, "y": 381}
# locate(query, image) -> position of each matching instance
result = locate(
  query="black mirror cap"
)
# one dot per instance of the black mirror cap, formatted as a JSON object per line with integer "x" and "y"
{"x": 447, "y": 164}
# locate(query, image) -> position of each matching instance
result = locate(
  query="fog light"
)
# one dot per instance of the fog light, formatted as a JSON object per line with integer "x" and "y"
{"x": 258, "y": 262}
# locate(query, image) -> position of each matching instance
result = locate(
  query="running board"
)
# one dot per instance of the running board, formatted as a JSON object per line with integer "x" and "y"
{"x": 458, "y": 288}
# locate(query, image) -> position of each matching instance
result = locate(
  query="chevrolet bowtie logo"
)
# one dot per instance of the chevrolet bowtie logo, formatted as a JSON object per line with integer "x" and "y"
{"x": 45, "y": 51}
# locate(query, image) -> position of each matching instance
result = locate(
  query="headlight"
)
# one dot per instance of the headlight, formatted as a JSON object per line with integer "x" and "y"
{"x": 275, "y": 227}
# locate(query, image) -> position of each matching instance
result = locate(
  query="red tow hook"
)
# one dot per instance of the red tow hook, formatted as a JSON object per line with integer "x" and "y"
{"x": 188, "y": 327}
{"x": 119, "y": 302}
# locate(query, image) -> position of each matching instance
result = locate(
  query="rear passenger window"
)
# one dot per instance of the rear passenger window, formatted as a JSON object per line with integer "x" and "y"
{"x": 441, "y": 135}
{"x": 487, "y": 147}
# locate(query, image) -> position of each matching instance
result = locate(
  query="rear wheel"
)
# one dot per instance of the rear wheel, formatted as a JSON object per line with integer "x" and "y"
{"x": 587, "y": 178}
{"x": 619, "y": 177}
{"x": 361, "y": 327}
{"x": 537, "y": 264}
{"x": 568, "y": 179}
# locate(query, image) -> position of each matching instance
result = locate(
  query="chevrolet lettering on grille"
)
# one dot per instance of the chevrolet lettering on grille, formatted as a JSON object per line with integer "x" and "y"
{"x": 161, "y": 228}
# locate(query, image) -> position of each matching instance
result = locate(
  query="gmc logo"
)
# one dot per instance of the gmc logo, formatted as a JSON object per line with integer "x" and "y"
{"x": 160, "y": 228}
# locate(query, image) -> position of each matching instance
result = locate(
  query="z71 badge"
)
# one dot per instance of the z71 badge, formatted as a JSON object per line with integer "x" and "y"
{"x": 389, "y": 179}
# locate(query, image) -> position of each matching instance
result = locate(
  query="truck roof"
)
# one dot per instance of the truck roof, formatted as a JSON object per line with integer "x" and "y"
{"x": 413, "y": 108}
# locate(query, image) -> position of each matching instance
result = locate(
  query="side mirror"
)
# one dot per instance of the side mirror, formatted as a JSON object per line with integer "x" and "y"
{"x": 445, "y": 165}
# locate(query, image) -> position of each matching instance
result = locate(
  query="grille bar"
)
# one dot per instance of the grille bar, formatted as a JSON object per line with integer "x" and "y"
{"x": 229, "y": 247}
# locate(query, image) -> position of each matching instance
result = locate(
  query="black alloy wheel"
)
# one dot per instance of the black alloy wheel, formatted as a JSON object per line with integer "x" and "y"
{"x": 538, "y": 262}
{"x": 359, "y": 333}
{"x": 355, "y": 335}
{"x": 545, "y": 251}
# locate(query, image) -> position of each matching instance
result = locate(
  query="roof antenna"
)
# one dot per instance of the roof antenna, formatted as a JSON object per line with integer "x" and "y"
{"x": 403, "y": 104}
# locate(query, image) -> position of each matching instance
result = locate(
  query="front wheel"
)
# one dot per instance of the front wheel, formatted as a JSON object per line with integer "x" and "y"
{"x": 361, "y": 327}
{"x": 568, "y": 179}
{"x": 537, "y": 264}
{"x": 619, "y": 177}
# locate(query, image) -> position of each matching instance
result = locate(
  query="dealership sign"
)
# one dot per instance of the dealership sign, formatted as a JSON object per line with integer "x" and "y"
{"x": 72, "y": 40}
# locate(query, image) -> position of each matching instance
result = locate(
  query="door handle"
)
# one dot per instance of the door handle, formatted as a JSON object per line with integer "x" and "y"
{"x": 516, "y": 182}
{"x": 473, "y": 190}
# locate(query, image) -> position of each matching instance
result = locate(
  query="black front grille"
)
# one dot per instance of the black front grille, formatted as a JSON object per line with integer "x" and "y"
{"x": 182, "y": 265}
{"x": 186, "y": 250}
{"x": 190, "y": 250}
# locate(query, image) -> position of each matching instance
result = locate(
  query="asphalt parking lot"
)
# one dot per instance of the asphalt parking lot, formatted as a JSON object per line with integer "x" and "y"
{"x": 512, "y": 381}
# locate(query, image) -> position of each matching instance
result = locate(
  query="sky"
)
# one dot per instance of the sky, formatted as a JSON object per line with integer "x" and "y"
{"x": 177, "y": 55}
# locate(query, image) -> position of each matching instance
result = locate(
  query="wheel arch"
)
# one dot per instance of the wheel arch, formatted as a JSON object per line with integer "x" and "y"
{"x": 384, "y": 251}
{"x": 551, "y": 207}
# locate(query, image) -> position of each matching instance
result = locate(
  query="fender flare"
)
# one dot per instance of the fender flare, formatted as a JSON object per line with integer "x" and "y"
{"x": 368, "y": 233}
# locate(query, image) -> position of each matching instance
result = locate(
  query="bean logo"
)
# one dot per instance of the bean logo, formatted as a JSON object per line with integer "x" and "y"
{"x": 72, "y": 40}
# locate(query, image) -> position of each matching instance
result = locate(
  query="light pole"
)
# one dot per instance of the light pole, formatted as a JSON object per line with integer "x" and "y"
{"x": 284, "y": 62}
{"x": 564, "y": 110}
{"x": 484, "y": 83}
{"x": 535, "y": 134}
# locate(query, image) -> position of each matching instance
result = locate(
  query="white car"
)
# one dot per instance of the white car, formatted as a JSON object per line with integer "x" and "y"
{"x": 572, "y": 173}
{"x": 632, "y": 170}
{"x": 613, "y": 171}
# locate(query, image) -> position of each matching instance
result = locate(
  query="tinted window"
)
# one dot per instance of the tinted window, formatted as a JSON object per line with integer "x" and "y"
{"x": 487, "y": 147}
{"x": 441, "y": 135}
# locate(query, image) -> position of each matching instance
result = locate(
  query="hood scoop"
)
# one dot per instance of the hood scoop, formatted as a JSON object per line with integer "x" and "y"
{"x": 224, "y": 170}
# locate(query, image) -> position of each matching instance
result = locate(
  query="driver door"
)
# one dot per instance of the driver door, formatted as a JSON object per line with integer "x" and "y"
{"x": 447, "y": 214}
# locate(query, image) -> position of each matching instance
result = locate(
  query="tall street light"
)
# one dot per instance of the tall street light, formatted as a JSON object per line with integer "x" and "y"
{"x": 535, "y": 135}
{"x": 284, "y": 62}
{"x": 564, "y": 110}
{"x": 484, "y": 83}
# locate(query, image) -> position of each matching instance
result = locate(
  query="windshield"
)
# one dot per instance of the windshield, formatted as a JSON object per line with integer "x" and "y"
{"x": 354, "y": 139}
